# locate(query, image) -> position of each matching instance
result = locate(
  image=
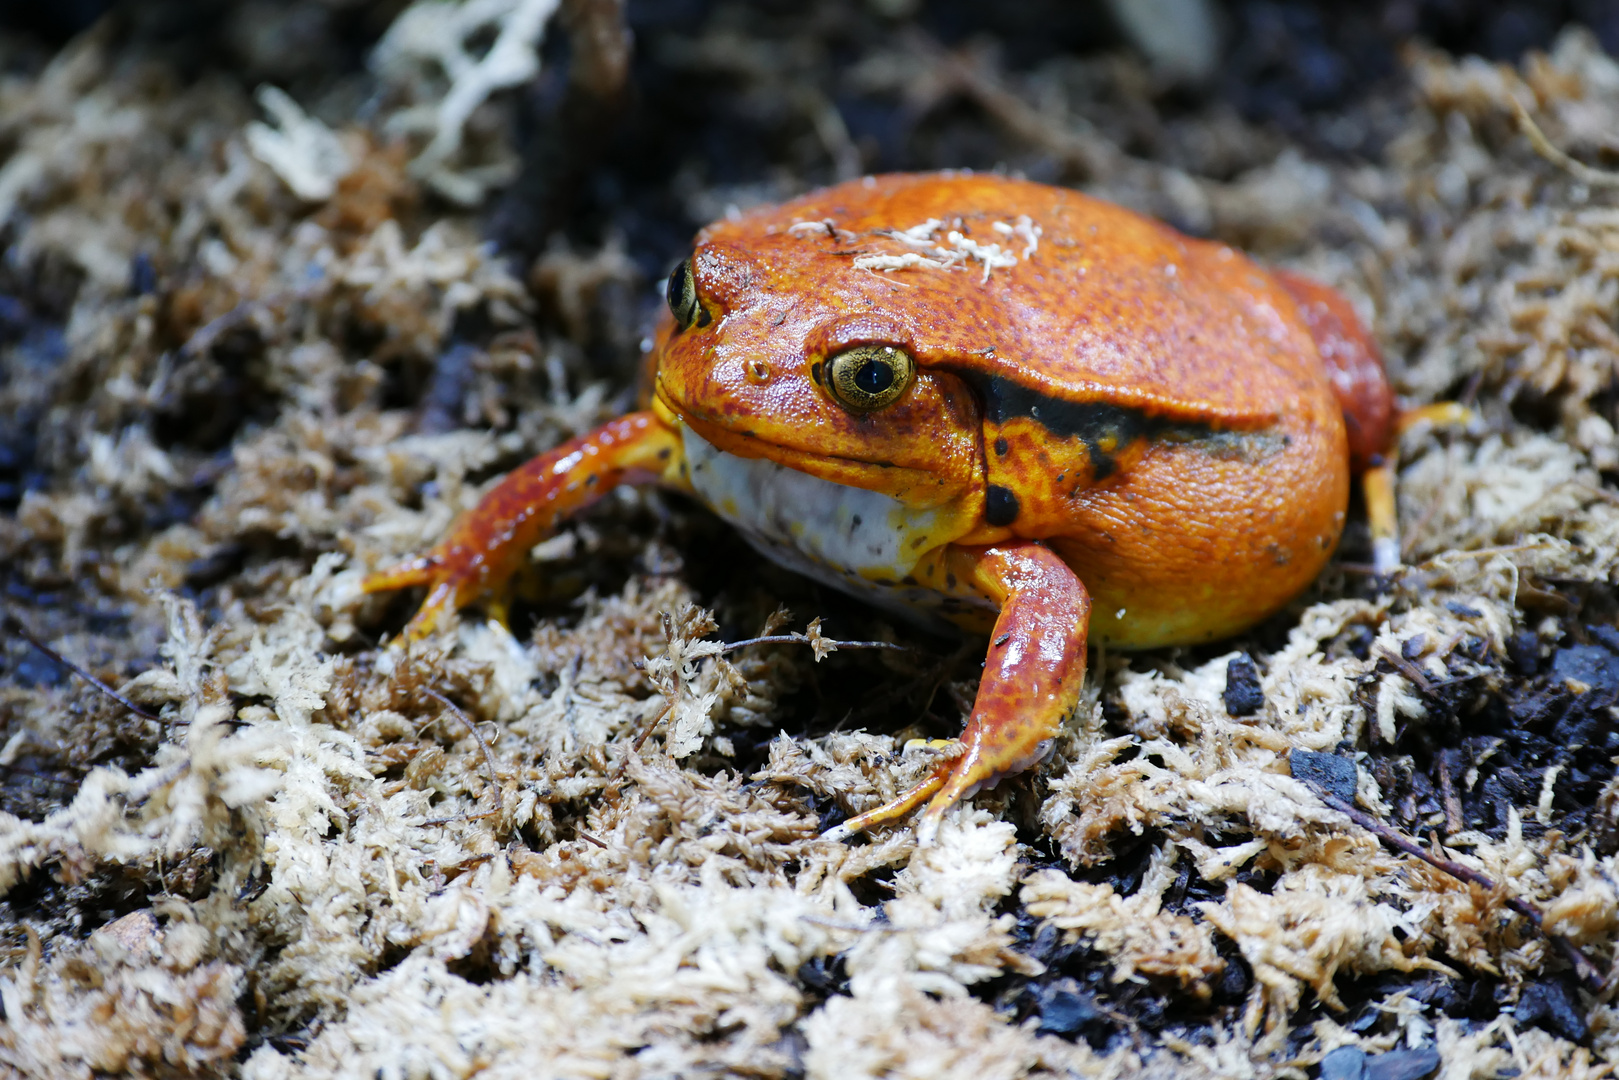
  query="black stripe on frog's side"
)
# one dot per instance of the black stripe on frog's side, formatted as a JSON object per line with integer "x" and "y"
{"x": 1092, "y": 422}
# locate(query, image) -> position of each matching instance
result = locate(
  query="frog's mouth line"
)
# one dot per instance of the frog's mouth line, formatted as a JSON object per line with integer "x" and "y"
{"x": 916, "y": 487}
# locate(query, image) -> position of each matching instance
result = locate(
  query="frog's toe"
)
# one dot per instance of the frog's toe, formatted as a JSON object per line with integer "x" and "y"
{"x": 406, "y": 575}
{"x": 449, "y": 586}
{"x": 893, "y": 810}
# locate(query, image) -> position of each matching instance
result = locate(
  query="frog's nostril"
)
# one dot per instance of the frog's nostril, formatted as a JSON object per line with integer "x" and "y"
{"x": 757, "y": 372}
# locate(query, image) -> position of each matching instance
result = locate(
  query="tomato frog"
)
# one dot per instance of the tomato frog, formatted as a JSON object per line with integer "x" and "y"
{"x": 991, "y": 404}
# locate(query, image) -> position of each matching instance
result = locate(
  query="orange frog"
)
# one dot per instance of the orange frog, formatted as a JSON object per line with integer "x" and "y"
{"x": 989, "y": 403}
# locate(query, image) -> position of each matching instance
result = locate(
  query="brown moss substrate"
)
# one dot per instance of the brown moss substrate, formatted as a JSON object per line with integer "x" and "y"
{"x": 248, "y": 357}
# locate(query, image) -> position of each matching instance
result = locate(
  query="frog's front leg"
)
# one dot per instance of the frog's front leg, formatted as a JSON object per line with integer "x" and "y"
{"x": 1031, "y": 682}
{"x": 489, "y": 542}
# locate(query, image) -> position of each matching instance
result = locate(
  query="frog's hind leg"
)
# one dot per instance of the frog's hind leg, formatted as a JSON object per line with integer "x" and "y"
{"x": 1371, "y": 421}
{"x": 1032, "y": 678}
{"x": 1352, "y": 362}
{"x": 488, "y": 543}
{"x": 1378, "y": 482}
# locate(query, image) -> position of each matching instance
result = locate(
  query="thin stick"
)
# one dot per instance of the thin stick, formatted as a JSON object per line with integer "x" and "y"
{"x": 1419, "y": 678}
{"x": 460, "y": 817}
{"x": 1447, "y": 794}
{"x": 1416, "y": 675}
{"x": 28, "y": 636}
{"x": 1584, "y": 968}
{"x": 1582, "y": 172}
{"x": 488, "y": 758}
{"x": 733, "y": 646}
{"x": 583, "y": 835}
{"x": 646, "y": 732}
{"x": 804, "y": 639}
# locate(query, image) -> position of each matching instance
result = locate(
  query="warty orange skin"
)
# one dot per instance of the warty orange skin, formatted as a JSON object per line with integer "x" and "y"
{"x": 1107, "y": 432}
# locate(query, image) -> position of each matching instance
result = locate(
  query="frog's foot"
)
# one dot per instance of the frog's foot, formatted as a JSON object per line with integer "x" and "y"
{"x": 445, "y": 592}
{"x": 1032, "y": 678}
{"x": 488, "y": 543}
{"x": 1378, "y": 482}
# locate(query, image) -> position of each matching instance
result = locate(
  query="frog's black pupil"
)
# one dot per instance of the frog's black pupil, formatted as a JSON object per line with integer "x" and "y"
{"x": 874, "y": 376}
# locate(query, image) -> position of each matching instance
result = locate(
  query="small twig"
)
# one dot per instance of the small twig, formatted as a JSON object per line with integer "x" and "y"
{"x": 1602, "y": 493}
{"x": 488, "y": 758}
{"x": 1582, "y": 172}
{"x": 460, "y": 817}
{"x": 1416, "y": 675}
{"x": 855, "y": 928}
{"x": 617, "y": 775}
{"x": 805, "y": 639}
{"x": 200, "y": 342}
{"x": 732, "y": 646}
{"x": 1447, "y": 795}
{"x": 28, "y": 636}
{"x": 583, "y": 835}
{"x": 646, "y": 733}
{"x": 1069, "y": 140}
{"x": 1584, "y": 968}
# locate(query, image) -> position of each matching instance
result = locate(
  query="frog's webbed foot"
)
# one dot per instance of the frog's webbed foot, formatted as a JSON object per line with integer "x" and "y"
{"x": 488, "y": 543}
{"x": 1032, "y": 678}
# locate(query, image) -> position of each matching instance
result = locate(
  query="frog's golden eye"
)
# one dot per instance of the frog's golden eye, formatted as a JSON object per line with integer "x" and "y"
{"x": 682, "y": 295}
{"x": 870, "y": 376}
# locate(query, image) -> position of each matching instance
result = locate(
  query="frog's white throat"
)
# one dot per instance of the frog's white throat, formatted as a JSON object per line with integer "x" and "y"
{"x": 862, "y": 542}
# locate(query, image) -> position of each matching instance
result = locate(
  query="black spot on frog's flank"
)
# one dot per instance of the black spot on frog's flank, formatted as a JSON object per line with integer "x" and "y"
{"x": 1002, "y": 446}
{"x": 1000, "y": 505}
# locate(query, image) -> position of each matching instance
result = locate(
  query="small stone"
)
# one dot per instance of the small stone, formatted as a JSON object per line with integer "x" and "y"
{"x": 1327, "y": 773}
{"x": 1411, "y": 1064}
{"x": 1065, "y": 1008}
{"x": 1344, "y": 1063}
{"x": 1589, "y": 666}
{"x": 1605, "y": 635}
{"x": 1523, "y": 649}
{"x": 1243, "y": 694}
{"x": 1549, "y": 1006}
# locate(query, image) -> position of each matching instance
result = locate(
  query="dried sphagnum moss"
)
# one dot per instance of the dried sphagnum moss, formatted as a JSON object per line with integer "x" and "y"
{"x": 400, "y": 909}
